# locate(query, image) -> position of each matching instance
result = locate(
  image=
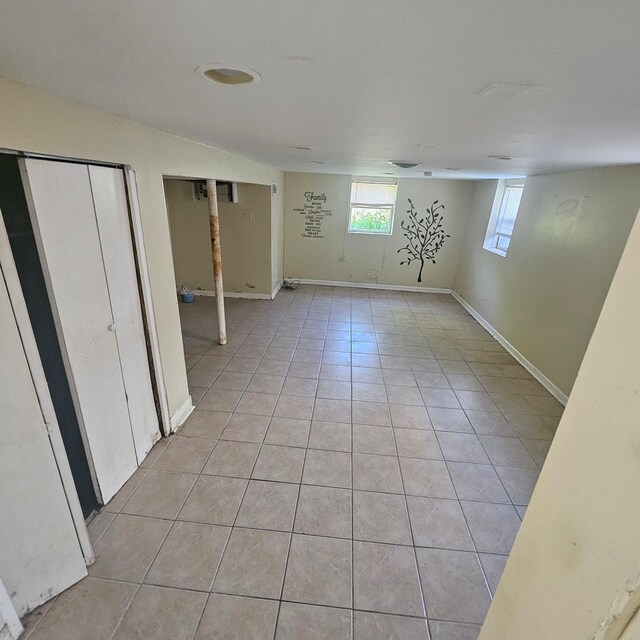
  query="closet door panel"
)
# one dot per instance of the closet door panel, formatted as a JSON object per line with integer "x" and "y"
{"x": 64, "y": 221}
{"x": 112, "y": 215}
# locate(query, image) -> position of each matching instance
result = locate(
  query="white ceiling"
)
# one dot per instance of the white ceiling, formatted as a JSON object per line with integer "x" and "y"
{"x": 362, "y": 82}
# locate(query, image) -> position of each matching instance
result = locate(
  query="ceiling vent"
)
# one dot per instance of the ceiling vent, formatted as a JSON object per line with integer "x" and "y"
{"x": 404, "y": 164}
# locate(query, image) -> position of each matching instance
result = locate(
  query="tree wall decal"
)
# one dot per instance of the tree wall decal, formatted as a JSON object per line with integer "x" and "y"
{"x": 425, "y": 235}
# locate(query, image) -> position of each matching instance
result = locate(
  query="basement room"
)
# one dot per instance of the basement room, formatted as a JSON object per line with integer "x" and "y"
{"x": 319, "y": 321}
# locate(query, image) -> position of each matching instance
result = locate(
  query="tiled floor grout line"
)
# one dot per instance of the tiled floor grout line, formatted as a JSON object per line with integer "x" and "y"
{"x": 353, "y": 575}
{"x": 413, "y": 541}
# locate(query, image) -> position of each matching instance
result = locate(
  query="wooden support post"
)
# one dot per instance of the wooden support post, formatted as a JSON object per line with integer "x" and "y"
{"x": 214, "y": 226}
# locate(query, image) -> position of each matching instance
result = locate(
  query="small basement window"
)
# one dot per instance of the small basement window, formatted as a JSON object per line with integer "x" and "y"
{"x": 503, "y": 215}
{"x": 372, "y": 204}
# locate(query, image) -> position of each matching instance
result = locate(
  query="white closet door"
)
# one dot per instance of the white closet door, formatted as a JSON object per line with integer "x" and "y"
{"x": 64, "y": 221}
{"x": 39, "y": 551}
{"x": 112, "y": 214}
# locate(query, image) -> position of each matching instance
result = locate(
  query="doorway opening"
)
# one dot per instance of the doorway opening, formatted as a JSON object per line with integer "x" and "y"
{"x": 244, "y": 211}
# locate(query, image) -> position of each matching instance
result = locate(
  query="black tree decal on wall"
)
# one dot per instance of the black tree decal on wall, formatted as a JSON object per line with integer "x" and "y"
{"x": 425, "y": 235}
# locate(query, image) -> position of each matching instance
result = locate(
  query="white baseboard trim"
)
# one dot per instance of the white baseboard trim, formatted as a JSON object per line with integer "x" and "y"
{"x": 233, "y": 294}
{"x": 181, "y": 414}
{"x": 375, "y": 285}
{"x": 274, "y": 293}
{"x": 532, "y": 369}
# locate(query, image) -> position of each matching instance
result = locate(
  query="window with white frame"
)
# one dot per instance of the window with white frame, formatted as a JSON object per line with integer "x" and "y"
{"x": 503, "y": 215}
{"x": 372, "y": 204}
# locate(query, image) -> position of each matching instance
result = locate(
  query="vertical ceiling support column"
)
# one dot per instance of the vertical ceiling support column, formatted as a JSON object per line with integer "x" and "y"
{"x": 214, "y": 226}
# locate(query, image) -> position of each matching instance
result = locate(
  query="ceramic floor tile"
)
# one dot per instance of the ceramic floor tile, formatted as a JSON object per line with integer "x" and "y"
{"x": 489, "y": 423}
{"x": 297, "y": 621}
{"x": 376, "y": 440}
{"x": 519, "y": 483}
{"x": 290, "y": 432}
{"x": 253, "y": 563}
{"x": 214, "y": 500}
{"x": 429, "y": 478}
{"x": 376, "y": 473}
{"x": 268, "y": 505}
{"x": 238, "y": 618}
{"x": 305, "y": 387}
{"x": 205, "y": 424}
{"x": 380, "y": 626}
{"x": 453, "y": 584}
{"x": 327, "y": 410}
{"x": 189, "y": 556}
{"x": 92, "y": 608}
{"x": 493, "y": 526}
{"x": 235, "y": 459}
{"x": 261, "y": 404}
{"x": 450, "y": 420}
{"x": 507, "y": 452}
{"x": 417, "y": 443}
{"x": 380, "y": 517}
{"x": 441, "y": 630}
{"x": 319, "y": 571}
{"x": 538, "y": 449}
{"x": 324, "y": 511}
{"x": 282, "y": 464}
{"x": 477, "y": 482}
{"x": 461, "y": 447}
{"x": 372, "y": 413}
{"x": 438, "y": 523}
{"x": 128, "y": 548}
{"x": 385, "y": 579}
{"x": 332, "y": 436}
{"x": 246, "y": 428}
{"x": 158, "y": 613}
{"x": 410, "y": 417}
{"x": 493, "y": 566}
{"x": 327, "y": 468}
{"x": 161, "y": 494}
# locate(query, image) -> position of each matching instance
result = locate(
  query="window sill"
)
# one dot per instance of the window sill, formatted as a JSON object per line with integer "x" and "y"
{"x": 499, "y": 252}
{"x": 370, "y": 233}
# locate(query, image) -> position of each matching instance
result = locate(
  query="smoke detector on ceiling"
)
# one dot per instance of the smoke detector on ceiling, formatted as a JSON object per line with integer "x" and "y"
{"x": 404, "y": 164}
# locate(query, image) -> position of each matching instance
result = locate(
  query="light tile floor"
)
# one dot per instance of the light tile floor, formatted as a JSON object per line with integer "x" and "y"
{"x": 357, "y": 467}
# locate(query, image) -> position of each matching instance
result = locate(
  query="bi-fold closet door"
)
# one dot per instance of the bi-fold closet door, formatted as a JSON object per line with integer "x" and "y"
{"x": 81, "y": 222}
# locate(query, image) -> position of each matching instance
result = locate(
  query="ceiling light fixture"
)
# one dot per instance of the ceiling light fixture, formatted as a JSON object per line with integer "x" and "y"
{"x": 404, "y": 164}
{"x": 228, "y": 74}
{"x": 500, "y": 157}
{"x": 300, "y": 148}
{"x": 317, "y": 162}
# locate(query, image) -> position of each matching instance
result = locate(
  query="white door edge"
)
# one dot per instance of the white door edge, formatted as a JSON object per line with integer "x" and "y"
{"x": 150, "y": 318}
{"x": 8, "y": 268}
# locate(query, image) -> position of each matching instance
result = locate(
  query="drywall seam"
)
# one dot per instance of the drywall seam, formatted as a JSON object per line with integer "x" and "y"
{"x": 365, "y": 285}
{"x": 181, "y": 414}
{"x": 531, "y": 368}
{"x": 233, "y": 294}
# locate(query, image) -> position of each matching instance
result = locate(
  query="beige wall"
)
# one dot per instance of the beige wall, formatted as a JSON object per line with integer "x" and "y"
{"x": 346, "y": 257}
{"x": 39, "y": 122}
{"x": 190, "y": 243}
{"x": 245, "y": 232}
{"x": 575, "y": 564}
{"x": 545, "y": 296}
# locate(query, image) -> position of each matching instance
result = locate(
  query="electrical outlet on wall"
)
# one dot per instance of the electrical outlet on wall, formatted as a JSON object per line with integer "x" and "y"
{"x": 372, "y": 274}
